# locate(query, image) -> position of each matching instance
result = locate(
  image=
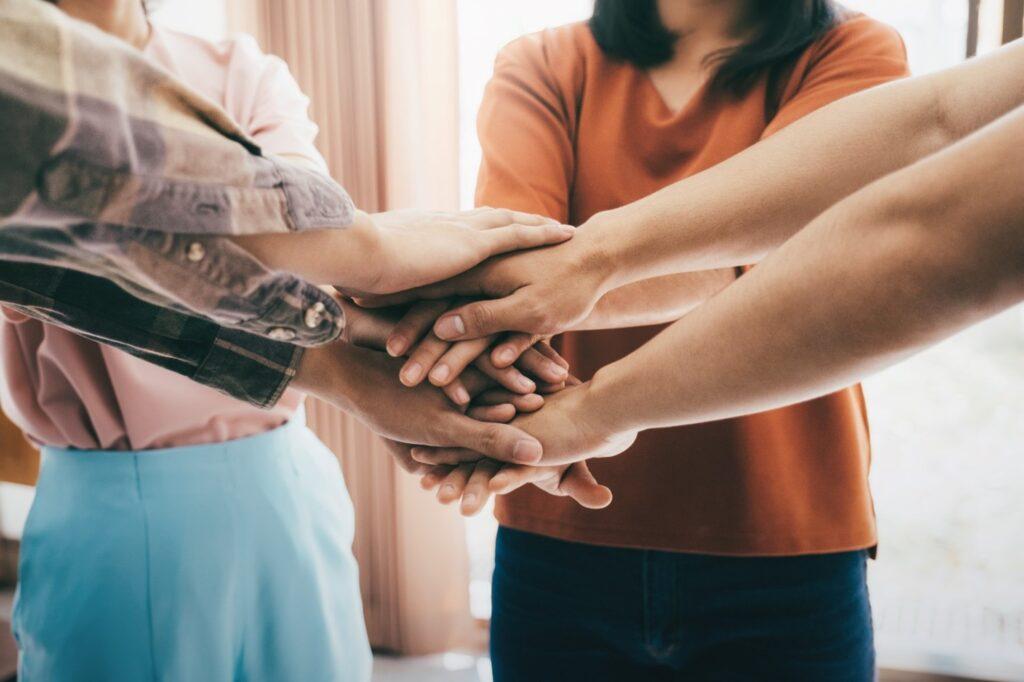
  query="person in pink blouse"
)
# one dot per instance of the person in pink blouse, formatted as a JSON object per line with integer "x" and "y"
{"x": 180, "y": 534}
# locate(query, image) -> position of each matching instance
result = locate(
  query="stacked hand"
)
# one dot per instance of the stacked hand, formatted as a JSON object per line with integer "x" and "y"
{"x": 478, "y": 411}
{"x": 455, "y": 343}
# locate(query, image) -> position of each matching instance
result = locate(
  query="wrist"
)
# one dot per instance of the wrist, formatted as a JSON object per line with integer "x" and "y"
{"x": 609, "y": 399}
{"x": 605, "y": 243}
{"x": 365, "y": 248}
{"x": 324, "y": 372}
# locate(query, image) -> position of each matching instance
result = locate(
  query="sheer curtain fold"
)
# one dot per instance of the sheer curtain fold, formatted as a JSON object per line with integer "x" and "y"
{"x": 383, "y": 80}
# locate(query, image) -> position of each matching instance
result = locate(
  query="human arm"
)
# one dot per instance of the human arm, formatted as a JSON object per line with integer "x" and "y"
{"x": 895, "y": 267}
{"x": 734, "y": 212}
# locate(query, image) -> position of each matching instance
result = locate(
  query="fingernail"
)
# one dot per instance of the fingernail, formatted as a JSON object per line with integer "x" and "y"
{"x": 461, "y": 396}
{"x": 568, "y": 229}
{"x": 507, "y": 356}
{"x": 468, "y": 499}
{"x": 396, "y": 346}
{"x": 440, "y": 373}
{"x": 525, "y": 384}
{"x": 450, "y": 327}
{"x": 417, "y": 453}
{"x": 447, "y": 489}
{"x": 558, "y": 370}
{"x": 527, "y": 451}
{"x": 412, "y": 373}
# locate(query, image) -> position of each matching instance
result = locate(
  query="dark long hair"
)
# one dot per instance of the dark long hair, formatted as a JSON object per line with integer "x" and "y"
{"x": 632, "y": 30}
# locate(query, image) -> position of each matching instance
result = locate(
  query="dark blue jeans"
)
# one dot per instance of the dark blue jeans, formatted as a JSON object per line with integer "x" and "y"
{"x": 566, "y": 611}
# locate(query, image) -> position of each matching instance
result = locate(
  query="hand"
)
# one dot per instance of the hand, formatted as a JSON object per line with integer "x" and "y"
{"x": 491, "y": 404}
{"x": 474, "y": 483}
{"x": 362, "y": 382}
{"x": 572, "y": 427}
{"x": 368, "y": 328}
{"x": 544, "y": 291}
{"x": 414, "y": 248}
{"x": 538, "y": 366}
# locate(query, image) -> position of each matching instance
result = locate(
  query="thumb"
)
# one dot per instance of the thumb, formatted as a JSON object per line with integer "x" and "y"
{"x": 517, "y": 237}
{"x": 502, "y": 442}
{"x": 579, "y": 484}
{"x": 483, "y": 318}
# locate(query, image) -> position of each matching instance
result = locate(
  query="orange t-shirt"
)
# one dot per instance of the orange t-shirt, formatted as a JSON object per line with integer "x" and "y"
{"x": 568, "y": 132}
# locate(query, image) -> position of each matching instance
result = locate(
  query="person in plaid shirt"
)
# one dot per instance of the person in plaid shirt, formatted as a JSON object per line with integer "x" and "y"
{"x": 137, "y": 213}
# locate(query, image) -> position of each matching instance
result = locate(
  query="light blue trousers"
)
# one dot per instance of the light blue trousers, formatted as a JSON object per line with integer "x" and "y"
{"x": 216, "y": 562}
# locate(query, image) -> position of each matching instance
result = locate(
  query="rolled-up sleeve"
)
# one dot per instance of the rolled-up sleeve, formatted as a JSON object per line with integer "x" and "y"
{"x": 242, "y": 365}
{"x": 116, "y": 169}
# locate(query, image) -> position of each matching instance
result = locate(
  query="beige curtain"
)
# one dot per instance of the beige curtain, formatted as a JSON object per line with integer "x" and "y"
{"x": 382, "y": 76}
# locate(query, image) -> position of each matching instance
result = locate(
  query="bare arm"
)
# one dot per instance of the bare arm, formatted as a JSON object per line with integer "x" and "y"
{"x": 737, "y": 211}
{"x": 907, "y": 261}
{"x": 900, "y": 265}
{"x": 656, "y": 301}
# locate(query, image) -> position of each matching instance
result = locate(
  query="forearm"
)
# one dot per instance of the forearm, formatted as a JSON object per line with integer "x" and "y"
{"x": 656, "y": 301}
{"x": 347, "y": 257}
{"x": 738, "y": 211}
{"x": 898, "y": 266}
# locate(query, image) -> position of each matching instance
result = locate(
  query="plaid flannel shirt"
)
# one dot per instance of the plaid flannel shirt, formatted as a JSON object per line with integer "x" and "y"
{"x": 118, "y": 185}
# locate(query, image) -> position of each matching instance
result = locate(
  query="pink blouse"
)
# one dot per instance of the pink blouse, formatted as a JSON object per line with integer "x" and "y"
{"x": 65, "y": 391}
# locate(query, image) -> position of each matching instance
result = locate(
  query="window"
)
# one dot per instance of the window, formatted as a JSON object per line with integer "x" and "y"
{"x": 947, "y": 425}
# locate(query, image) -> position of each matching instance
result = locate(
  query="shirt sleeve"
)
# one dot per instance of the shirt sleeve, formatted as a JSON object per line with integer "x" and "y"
{"x": 858, "y": 54}
{"x": 118, "y": 170}
{"x": 242, "y": 365}
{"x": 94, "y": 132}
{"x": 524, "y": 109}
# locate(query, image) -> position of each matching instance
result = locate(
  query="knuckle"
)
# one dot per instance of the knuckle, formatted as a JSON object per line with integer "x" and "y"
{"x": 481, "y": 317}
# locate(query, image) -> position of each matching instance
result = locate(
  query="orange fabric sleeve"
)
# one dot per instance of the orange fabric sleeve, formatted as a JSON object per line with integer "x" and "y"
{"x": 525, "y": 127}
{"x": 858, "y": 54}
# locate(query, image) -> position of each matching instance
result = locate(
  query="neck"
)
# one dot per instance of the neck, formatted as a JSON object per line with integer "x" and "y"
{"x": 125, "y": 19}
{"x": 703, "y": 26}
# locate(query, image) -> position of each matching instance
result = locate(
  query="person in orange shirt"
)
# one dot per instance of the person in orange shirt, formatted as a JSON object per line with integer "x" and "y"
{"x": 733, "y": 547}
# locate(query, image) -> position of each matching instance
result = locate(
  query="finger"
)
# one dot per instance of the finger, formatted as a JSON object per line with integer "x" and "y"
{"x": 466, "y": 284}
{"x": 476, "y": 493}
{"x": 517, "y": 237}
{"x": 401, "y": 454}
{"x": 457, "y": 393}
{"x": 457, "y": 358}
{"x": 512, "y": 477}
{"x": 454, "y": 483}
{"x": 579, "y": 484}
{"x": 510, "y": 348}
{"x": 545, "y": 369}
{"x": 503, "y": 442}
{"x": 530, "y": 402}
{"x": 546, "y": 349}
{"x": 475, "y": 381}
{"x": 488, "y": 218}
{"x": 416, "y": 322}
{"x": 509, "y": 377}
{"x": 422, "y": 359}
{"x": 503, "y": 413}
{"x": 445, "y": 456}
{"x": 483, "y": 318}
{"x": 548, "y": 389}
{"x": 433, "y": 476}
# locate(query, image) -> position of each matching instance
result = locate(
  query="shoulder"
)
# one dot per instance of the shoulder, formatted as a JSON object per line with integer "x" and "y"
{"x": 554, "y": 53}
{"x": 858, "y": 35}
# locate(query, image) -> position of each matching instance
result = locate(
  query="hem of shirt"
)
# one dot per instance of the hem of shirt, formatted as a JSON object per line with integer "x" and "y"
{"x": 712, "y": 544}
